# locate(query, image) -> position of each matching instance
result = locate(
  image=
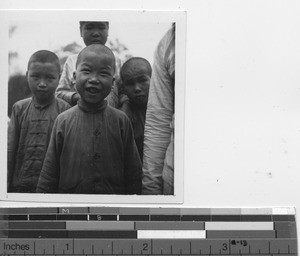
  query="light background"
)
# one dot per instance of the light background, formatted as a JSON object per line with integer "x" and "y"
{"x": 53, "y": 33}
{"x": 242, "y": 125}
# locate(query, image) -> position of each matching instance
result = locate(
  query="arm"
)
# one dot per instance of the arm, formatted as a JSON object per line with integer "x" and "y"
{"x": 49, "y": 177}
{"x": 66, "y": 87}
{"x": 12, "y": 146}
{"x": 159, "y": 114}
{"x": 132, "y": 165}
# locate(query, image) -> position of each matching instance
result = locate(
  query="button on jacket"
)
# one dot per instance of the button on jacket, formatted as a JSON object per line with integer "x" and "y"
{"x": 28, "y": 138}
{"x": 92, "y": 152}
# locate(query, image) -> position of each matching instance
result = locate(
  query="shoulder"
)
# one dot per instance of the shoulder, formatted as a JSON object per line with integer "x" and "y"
{"x": 67, "y": 115}
{"x": 116, "y": 113}
{"x": 22, "y": 104}
{"x": 62, "y": 104}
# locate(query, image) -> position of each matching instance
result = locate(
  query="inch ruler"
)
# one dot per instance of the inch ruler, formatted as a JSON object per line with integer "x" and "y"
{"x": 147, "y": 231}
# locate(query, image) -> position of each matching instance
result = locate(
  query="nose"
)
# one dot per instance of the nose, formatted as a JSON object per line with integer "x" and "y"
{"x": 137, "y": 88}
{"x": 94, "y": 80}
{"x": 42, "y": 84}
{"x": 96, "y": 33}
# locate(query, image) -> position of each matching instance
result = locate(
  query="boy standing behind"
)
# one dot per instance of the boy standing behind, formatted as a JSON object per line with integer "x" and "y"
{"x": 92, "y": 32}
{"x": 32, "y": 121}
{"x": 135, "y": 75}
{"x": 92, "y": 148}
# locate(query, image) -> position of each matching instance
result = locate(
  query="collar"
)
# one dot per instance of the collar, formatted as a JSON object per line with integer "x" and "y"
{"x": 41, "y": 106}
{"x": 92, "y": 108}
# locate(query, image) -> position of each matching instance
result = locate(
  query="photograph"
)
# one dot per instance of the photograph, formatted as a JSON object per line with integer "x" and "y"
{"x": 91, "y": 105}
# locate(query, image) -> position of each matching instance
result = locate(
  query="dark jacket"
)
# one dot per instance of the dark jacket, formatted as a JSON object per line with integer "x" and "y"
{"x": 92, "y": 152}
{"x": 29, "y": 133}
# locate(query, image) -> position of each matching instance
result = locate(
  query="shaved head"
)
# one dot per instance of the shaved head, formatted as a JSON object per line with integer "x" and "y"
{"x": 135, "y": 66}
{"x": 99, "y": 50}
{"x": 44, "y": 56}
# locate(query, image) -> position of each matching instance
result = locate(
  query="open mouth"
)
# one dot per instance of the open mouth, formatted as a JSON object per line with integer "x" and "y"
{"x": 92, "y": 90}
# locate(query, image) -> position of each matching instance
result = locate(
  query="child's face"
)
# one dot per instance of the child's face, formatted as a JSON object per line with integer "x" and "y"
{"x": 43, "y": 79}
{"x": 94, "y": 76}
{"x": 136, "y": 82}
{"x": 94, "y": 33}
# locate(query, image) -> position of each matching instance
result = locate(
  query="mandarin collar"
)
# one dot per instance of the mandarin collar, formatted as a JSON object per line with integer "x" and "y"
{"x": 41, "y": 106}
{"x": 92, "y": 109}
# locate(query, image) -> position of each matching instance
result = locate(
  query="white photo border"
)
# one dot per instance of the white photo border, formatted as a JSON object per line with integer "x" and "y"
{"x": 177, "y": 16}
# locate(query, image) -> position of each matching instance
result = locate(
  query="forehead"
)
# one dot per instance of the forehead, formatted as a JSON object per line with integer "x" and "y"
{"x": 92, "y": 56}
{"x": 99, "y": 24}
{"x": 135, "y": 68}
{"x": 49, "y": 67}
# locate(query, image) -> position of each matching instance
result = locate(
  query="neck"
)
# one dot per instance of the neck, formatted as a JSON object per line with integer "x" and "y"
{"x": 92, "y": 108}
{"x": 43, "y": 103}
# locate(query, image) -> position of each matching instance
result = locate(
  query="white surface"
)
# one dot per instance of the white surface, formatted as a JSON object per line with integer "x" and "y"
{"x": 242, "y": 123}
{"x": 229, "y": 225}
{"x": 170, "y": 234}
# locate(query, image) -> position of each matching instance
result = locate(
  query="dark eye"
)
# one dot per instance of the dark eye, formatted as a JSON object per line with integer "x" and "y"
{"x": 105, "y": 73}
{"x": 128, "y": 84}
{"x": 50, "y": 77}
{"x": 143, "y": 79}
{"x": 88, "y": 27}
{"x": 86, "y": 70}
{"x": 34, "y": 76}
{"x": 101, "y": 27}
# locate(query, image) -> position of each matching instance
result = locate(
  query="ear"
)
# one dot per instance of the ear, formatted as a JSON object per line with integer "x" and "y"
{"x": 74, "y": 75}
{"x": 27, "y": 75}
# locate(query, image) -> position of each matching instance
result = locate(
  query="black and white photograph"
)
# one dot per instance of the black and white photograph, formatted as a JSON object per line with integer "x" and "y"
{"x": 91, "y": 101}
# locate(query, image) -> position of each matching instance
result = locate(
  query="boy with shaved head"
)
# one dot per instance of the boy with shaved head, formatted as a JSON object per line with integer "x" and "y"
{"x": 135, "y": 75}
{"x": 32, "y": 121}
{"x": 92, "y": 148}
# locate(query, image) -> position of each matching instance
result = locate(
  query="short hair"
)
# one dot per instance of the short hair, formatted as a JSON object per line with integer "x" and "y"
{"x": 99, "y": 49}
{"x": 82, "y": 22}
{"x": 44, "y": 56}
{"x": 128, "y": 62}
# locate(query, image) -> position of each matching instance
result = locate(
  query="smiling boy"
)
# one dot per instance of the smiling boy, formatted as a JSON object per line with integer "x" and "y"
{"x": 92, "y": 148}
{"x": 32, "y": 121}
{"x": 92, "y": 32}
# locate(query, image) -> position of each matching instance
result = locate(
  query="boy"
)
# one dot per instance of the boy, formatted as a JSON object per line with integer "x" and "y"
{"x": 135, "y": 75}
{"x": 92, "y": 148}
{"x": 32, "y": 121}
{"x": 92, "y": 32}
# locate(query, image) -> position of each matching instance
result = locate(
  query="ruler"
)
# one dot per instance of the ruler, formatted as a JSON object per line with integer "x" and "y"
{"x": 147, "y": 231}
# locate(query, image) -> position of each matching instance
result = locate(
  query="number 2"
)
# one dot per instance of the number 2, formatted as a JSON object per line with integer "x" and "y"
{"x": 145, "y": 246}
